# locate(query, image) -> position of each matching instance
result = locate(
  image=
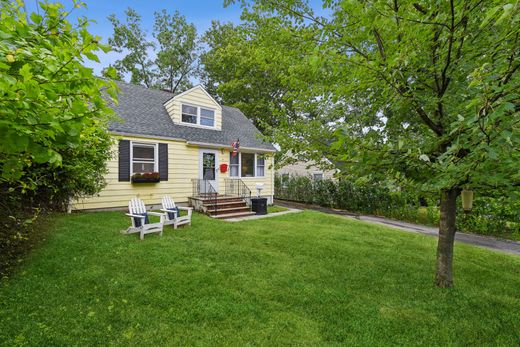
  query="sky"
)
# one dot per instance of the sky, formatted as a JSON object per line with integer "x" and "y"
{"x": 198, "y": 12}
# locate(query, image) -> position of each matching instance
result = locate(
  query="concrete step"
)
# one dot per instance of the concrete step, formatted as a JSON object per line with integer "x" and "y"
{"x": 233, "y": 215}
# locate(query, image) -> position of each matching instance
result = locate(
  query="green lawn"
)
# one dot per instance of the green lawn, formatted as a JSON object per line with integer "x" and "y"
{"x": 301, "y": 279}
{"x": 275, "y": 208}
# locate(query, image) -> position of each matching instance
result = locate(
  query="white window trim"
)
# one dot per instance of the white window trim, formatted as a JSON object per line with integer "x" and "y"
{"x": 155, "y": 154}
{"x": 239, "y": 162}
{"x": 317, "y": 173}
{"x": 240, "y": 166}
{"x": 198, "y": 125}
{"x": 256, "y": 165}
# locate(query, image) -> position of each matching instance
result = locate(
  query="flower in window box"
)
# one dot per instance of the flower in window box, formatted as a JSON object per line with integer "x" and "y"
{"x": 145, "y": 177}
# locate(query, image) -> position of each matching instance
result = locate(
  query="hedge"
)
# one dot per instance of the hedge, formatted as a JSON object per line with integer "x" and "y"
{"x": 491, "y": 216}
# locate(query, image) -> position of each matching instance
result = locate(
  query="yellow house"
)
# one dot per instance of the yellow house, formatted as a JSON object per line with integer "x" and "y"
{"x": 181, "y": 145}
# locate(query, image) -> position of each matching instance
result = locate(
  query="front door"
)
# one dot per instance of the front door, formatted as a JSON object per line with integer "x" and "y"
{"x": 208, "y": 170}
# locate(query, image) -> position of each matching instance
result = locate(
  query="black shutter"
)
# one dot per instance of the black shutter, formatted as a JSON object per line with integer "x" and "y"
{"x": 163, "y": 161}
{"x": 124, "y": 161}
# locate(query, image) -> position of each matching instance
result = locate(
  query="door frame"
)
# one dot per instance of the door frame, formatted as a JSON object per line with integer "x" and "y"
{"x": 201, "y": 153}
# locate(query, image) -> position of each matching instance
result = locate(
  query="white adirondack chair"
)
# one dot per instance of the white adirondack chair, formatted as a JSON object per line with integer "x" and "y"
{"x": 167, "y": 206}
{"x": 137, "y": 210}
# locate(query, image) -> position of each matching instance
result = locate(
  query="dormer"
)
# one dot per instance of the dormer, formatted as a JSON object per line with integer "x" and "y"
{"x": 195, "y": 108}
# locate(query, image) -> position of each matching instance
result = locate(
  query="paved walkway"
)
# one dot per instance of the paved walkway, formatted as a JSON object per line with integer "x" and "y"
{"x": 501, "y": 245}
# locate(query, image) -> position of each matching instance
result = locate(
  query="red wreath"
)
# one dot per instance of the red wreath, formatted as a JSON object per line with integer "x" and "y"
{"x": 223, "y": 168}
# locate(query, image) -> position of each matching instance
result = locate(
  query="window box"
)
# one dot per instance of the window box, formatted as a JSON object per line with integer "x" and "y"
{"x": 146, "y": 177}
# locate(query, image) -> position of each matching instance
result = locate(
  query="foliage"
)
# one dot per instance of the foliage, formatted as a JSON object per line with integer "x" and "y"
{"x": 54, "y": 117}
{"x": 419, "y": 92}
{"x": 175, "y": 47}
{"x": 498, "y": 216}
{"x": 146, "y": 175}
{"x": 178, "y": 50}
{"x": 49, "y": 100}
{"x": 344, "y": 194}
{"x": 302, "y": 278}
{"x": 240, "y": 73}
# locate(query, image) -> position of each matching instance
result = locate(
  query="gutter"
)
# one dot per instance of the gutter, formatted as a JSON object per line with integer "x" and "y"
{"x": 144, "y": 136}
{"x": 191, "y": 143}
{"x": 214, "y": 145}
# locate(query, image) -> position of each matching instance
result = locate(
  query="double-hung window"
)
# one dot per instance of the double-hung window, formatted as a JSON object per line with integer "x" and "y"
{"x": 246, "y": 165}
{"x": 143, "y": 157}
{"x": 207, "y": 117}
{"x": 234, "y": 165}
{"x": 189, "y": 114}
{"x": 198, "y": 115}
{"x": 260, "y": 165}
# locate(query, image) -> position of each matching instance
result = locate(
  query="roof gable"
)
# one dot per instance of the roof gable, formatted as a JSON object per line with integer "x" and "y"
{"x": 198, "y": 87}
{"x": 143, "y": 112}
{"x": 196, "y": 97}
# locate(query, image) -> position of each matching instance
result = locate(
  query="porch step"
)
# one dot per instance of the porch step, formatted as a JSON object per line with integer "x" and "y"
{"x": 233, "y": 215}
{"x": 221, "y": 199}
{"x": 221, "y": 211}
{"x": 226, "y": 206}
{"x": 223, "y": 205}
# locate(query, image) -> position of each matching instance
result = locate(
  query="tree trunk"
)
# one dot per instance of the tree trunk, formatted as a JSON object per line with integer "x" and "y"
{"x": 444, "y": 275}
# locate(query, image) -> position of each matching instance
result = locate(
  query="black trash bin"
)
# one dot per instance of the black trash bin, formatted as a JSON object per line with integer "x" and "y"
{"x": 259, "y": 205}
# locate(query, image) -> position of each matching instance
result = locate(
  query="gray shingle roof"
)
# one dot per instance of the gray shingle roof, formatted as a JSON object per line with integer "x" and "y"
{"x": 143, "y": 113}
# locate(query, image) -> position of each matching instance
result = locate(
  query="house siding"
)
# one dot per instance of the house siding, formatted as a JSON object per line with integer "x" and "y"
{"x": 183, "y": 166}
{"x": 195, "y": 97}
{"x": 251, "y": 182}
{"x": 301, "y": 168}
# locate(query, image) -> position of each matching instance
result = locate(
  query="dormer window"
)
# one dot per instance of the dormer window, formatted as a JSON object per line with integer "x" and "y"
{"x": 189, "y": 114}
{"x": 198, "y": 116}
{"x": 207, "y": 117}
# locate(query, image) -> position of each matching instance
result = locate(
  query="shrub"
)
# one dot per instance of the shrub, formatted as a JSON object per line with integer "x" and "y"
{"x": 490, "y": 216}
{"x": 55, "y": 114}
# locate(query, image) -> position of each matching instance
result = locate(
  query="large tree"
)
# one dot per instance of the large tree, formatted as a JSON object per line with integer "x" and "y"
{"x": 430, "y": 91}
{"x": 178, "y": 50}
{"x": 54, "y": 117}
{"x": 50, "y": 103}
{"x": 247, "y": 66}
{"x": 167, "y": 60}
{"x": 239, "y": 71}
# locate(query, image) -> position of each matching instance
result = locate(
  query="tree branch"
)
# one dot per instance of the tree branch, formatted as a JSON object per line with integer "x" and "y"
{"x": 380, "y": 46}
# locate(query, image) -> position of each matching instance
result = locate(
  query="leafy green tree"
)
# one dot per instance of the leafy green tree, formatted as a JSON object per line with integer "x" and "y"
{"x": 129, "y": 37}
{"x": 178, "y": 50}
{"x": 49, "y": 100}
{"x": 166, "y": 61}
{"x": 238, "y": 71}
{"x": 111, "y": 72}
{"x": 54, "y": 117}
{"x": 429, "y": 92}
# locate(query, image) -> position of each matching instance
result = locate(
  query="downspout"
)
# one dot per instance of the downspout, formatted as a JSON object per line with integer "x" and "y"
{"x": 272, "y": 182}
